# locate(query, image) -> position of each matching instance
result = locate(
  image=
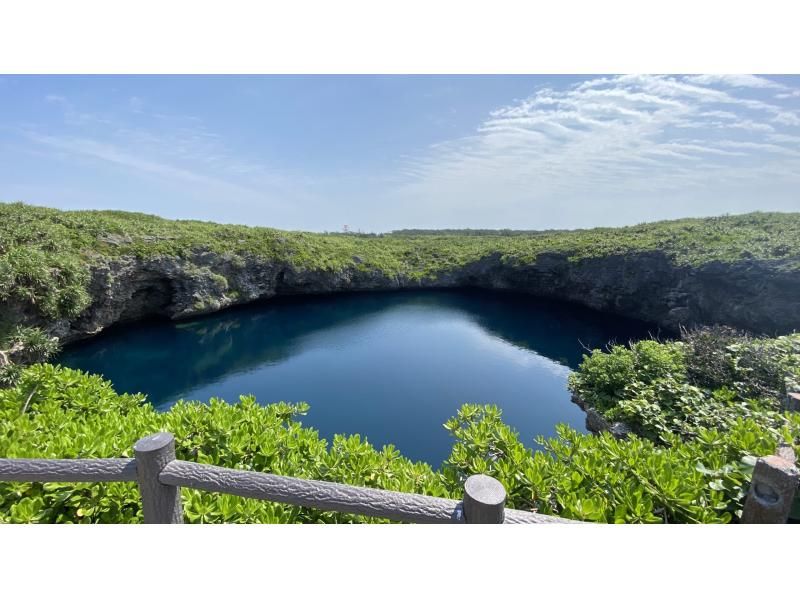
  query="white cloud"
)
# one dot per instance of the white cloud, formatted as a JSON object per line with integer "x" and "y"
{"x": 736, "y": 81}
{"x": 110, "y": 153}
{"x": 176, "y": 146}
{"x": 751, "y": 145}
{"x": 575, "y": 153}
{"x": 787, "y": 118}
{"x": 609, "y": 150}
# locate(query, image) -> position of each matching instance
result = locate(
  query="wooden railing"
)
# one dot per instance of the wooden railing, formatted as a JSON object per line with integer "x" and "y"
{"x": 160, "y": 476}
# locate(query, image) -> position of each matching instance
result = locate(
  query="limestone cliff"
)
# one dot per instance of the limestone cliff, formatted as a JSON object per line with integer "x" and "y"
{"x": 756, "y": 295}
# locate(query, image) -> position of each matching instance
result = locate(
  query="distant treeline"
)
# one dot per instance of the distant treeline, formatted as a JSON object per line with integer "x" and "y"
{"x": 447, "y": 232}
{"x": 470, "y": 232}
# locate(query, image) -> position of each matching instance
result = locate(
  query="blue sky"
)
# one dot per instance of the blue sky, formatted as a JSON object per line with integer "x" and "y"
{"x": 387, "y": 152}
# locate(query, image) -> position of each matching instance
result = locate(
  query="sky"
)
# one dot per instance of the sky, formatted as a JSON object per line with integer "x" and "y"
{"x": 378, "y": 153}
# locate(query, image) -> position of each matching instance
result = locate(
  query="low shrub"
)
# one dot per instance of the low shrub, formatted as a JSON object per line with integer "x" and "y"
{"x": 604, "y": 376}
{"x": 21, "y": 346}
{"x": 709, "y": 380}
{"x": 719, "y": 356}
{"x": 29, "y": 345}
{"x": 600, "y": 478}
{"x": 55, "y": 412}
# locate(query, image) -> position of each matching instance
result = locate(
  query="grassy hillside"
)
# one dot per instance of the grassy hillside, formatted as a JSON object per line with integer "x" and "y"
{"x": 45, "y": 253}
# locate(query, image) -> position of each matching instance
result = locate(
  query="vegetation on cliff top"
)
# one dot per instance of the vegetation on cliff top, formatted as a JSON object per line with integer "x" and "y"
{"x": 45, "y": 253}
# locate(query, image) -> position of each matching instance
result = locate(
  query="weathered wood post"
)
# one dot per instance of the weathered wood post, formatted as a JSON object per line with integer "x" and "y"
{"x": 484, "y": 500}
{"x": 772, "y": 489}
{"x": 160, "y": 503}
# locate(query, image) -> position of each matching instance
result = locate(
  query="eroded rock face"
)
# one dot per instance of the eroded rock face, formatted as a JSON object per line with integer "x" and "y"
{"x": 758, "y": 296}
{"x": 752, "y": 295}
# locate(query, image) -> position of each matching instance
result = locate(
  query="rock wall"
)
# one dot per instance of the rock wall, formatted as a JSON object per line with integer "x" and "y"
{"x": 759, "y": 296}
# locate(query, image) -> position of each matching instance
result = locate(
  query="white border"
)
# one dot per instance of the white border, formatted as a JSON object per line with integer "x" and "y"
{"x": 409, "y": 36}
{"x": 435, "y": 36}
{"x": 386, "y": 561}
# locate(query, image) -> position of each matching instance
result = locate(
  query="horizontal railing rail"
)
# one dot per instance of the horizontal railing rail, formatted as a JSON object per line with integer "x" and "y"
{"x": 160, "y": 476}
{"x": 67, "y": 470}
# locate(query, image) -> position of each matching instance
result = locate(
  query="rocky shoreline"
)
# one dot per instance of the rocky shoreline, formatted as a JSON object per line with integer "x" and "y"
{"x": 759, "y": 296}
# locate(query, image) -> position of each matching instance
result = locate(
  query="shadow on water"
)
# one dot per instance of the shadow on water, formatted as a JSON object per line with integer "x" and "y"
{"x": 369, "y": 362}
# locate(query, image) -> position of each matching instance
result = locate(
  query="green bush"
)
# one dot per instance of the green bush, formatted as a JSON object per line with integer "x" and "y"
{"x": 710, "y": 380}
{"x": 10, "y": 374}
{"x": 30, "y": 345}
{"x": 719, "y": 356}
{"x": 708, "y": 362}
{"x": 55, "y": 412}
{"x": 21, "y": 346}
{"x": 605, "y": 376}
{"x": 53, "y": 283}
{"x": 600, "y": 478}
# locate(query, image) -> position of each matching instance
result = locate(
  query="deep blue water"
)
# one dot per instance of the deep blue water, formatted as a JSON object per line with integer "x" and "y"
{"x": 392, "y": 367}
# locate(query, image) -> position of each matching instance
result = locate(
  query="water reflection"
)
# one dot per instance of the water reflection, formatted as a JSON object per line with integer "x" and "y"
{"x": 392, "y": 366}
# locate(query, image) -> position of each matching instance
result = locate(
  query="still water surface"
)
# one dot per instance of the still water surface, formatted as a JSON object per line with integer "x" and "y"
{"x": 392, "y": 367}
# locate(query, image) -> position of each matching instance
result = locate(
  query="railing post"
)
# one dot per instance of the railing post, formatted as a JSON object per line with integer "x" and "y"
{"x": 791, "y": 401}
{"x": 772, "y": 491}
{"x": 160, "y": 503}
{"x": 484, "y": 500}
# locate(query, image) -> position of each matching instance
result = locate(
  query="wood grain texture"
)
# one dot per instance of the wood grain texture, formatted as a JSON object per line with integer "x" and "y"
{"x": 160, "y": 477}
{"x": 161, "y": 503}
{"x": 513, "y": 516}
{"x": 67, "y": 470}
{"x": 328, "y": 496}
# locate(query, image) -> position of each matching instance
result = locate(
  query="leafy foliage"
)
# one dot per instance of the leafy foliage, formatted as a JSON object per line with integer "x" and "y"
{"x": 55, "y": 412}
{"x": 45, "y": 254}
{"x": 718, "y": 356}
{"x": 23, "y": 345}
{"x": 604, "y": 376}
{"x": 52, "y": 282}
{"x": 709, "y": 380}
{"x": 600, "y": 478}
{"x": 30, "y": 345}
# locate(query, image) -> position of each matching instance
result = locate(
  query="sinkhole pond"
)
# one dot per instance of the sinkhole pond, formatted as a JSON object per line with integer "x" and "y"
{"x": 392, "y": 367}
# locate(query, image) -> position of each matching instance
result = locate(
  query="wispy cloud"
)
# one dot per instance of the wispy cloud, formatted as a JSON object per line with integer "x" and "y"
{"x": 602, "y": 151}
{"x": 109, "y": 153}
{"x": 737, "y": 81}
{"x": 634, "y": 136}
{"x": 143, "y": 139}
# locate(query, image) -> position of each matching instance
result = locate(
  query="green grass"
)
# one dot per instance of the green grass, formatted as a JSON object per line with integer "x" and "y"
{"x": 45, "y": 253}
